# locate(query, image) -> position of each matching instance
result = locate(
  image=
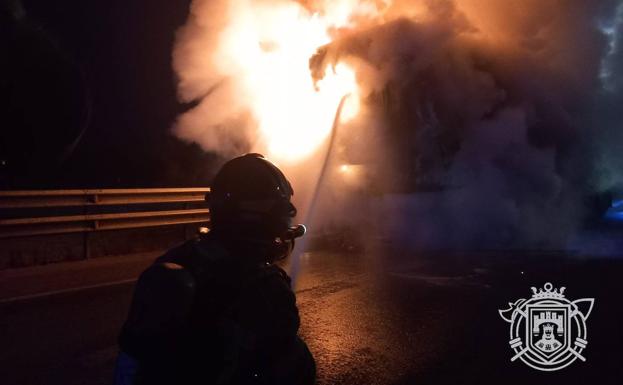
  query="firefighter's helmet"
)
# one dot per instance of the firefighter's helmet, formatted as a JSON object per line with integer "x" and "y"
{"x": 250, "y": 201}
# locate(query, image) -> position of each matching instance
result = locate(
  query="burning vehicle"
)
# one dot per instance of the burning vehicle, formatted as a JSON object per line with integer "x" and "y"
{"x": 439, "y": 96}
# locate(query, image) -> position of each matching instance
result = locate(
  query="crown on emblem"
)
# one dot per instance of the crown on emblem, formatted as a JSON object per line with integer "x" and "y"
{"x": 549, "y": 292}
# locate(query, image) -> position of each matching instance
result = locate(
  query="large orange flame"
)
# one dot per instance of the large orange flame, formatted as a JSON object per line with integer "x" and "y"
{"x": 270, "y": 46}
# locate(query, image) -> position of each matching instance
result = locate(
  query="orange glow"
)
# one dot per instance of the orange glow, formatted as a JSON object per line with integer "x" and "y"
{"x": 248, "y": 63}
{"x": 270, "y": 47}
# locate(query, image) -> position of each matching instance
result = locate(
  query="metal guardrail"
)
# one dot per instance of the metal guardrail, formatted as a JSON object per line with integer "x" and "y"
{"x": 21, "y": 227}
{"x": 65, "y": 198}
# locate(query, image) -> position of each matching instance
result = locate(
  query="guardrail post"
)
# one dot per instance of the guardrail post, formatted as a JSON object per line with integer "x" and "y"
{"x": 87, "y": 245}
{"x": 86, "y": 236}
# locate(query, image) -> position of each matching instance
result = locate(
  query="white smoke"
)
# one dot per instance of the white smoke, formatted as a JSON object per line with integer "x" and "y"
{"x": 502, "y": 105}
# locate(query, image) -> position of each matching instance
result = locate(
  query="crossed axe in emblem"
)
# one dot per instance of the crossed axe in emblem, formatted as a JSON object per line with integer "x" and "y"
{"x": 514, "y": 311}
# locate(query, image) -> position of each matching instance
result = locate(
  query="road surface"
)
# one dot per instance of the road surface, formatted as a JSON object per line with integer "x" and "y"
{"x": 369, "y": 317}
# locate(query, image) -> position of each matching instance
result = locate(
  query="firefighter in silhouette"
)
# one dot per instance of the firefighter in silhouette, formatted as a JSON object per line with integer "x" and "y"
{"x": 217, "y": 310}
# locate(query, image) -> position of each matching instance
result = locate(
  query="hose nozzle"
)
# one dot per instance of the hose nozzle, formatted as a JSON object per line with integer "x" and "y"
{"x": 295, "y": 232}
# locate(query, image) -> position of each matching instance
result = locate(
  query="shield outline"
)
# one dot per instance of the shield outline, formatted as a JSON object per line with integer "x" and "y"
{"x": 551, "y": 306}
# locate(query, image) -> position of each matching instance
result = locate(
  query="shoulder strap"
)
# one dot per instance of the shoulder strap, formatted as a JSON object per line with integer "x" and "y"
{"x": 162, "y": 301}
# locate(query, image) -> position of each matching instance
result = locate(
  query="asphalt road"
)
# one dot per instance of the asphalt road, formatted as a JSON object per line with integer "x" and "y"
{"x": 369, "y": 317}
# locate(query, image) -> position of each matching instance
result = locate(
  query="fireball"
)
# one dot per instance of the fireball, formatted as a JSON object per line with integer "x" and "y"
{"x": 270, "y": 46}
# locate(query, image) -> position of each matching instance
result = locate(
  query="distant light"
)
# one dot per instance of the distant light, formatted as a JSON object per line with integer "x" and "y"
{"x": 615, "y": 211}
{"x": 344, "y": 168}
{"x": 616, "y": 216}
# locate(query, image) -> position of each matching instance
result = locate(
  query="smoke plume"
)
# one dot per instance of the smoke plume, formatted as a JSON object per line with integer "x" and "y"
{"x": 484, "y": 123}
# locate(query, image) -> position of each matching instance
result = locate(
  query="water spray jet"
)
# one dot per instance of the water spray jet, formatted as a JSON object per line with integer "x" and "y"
{"x": 309, "y": 216}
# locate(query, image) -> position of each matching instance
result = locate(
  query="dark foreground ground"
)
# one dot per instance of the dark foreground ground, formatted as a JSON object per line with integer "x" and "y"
{"x": 369, "y": 317}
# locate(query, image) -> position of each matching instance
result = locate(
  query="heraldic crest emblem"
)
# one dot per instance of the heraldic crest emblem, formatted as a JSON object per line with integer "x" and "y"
{"x": 548, "y": 331}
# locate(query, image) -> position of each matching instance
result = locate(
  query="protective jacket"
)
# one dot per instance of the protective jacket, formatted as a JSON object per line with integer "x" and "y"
{"x": 203, "y": 314}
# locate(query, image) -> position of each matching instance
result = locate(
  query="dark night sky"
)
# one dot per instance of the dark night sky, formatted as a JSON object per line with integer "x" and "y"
{"x": 105, "y": 62}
